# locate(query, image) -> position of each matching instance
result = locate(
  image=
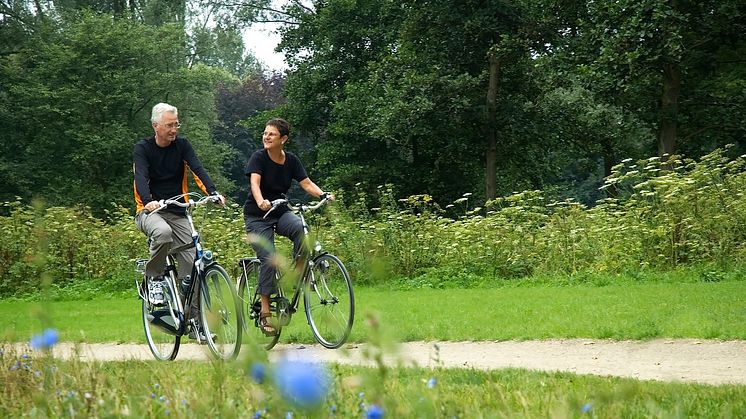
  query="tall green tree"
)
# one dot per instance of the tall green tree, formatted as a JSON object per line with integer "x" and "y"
{"x": 78, "y": 98}
{"x": 661, "y": 59}
{"x": 389, "y": 93}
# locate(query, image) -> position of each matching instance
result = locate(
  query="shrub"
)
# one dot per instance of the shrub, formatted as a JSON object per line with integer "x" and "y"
{"x": 663, "y": 215}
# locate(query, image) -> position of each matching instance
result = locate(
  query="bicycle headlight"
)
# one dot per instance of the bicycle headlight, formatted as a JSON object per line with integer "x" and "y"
{"x": 207, "y": 255}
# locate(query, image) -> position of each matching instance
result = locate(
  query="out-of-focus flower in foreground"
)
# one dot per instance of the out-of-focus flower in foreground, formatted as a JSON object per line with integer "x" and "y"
{"x": 45, "y": 340}
{"x": 374, "y": 412}
{"x": 257, "y": 372}
{"x": 303, "y": 384}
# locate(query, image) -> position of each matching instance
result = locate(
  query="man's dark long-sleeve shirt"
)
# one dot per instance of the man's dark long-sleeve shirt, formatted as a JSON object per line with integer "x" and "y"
{"x": 161, "y": 172}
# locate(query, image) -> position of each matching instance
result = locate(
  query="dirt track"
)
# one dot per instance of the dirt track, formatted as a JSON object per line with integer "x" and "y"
{"x": 702, "y": 361}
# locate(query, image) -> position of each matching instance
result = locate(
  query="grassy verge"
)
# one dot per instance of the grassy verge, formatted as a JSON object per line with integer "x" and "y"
{"x": 39, "y": 386}
{"x": 36, "y": 385}
{"x": 712, "y": 310}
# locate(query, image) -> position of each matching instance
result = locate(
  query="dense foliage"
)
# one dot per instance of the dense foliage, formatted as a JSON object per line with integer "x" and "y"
{"x": 77, "y": 87}
{"x": 666, "y": 215}
{"x": 431, "y": 97}
{"x": 442, "y": 98}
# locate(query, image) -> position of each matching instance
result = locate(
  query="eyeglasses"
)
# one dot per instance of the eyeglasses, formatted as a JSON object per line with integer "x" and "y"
{"x": 172, "y": 125}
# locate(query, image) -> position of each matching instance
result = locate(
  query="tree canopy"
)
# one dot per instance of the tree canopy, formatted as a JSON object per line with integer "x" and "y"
{"x": 431, "y": 97}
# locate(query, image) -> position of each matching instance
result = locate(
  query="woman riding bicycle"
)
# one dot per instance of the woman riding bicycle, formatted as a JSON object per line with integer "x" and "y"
{"x": 270, "y": 172}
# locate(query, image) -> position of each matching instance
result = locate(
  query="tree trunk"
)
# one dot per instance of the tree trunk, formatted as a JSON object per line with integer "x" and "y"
{"x": 669, "y": 110}
{"x": 491, "y": 156}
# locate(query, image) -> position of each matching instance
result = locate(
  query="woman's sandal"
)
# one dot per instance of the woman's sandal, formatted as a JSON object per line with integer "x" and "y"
{"x": 265, "y": 325}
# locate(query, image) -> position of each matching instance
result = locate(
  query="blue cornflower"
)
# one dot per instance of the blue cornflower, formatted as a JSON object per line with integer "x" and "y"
{"x": 374, "y": 412}
{"x": 586, "y": 407}
{"x": 257, "y": 372}
{"x": 152, "y": 395}
{"x": 304, "y": 384}
{"x": 45, "y": 340}
{"x": 431, "y": 382}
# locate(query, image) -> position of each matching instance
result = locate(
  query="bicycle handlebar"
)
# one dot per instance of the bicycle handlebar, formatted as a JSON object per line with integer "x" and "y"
{"x": 201, "y": 200}
{"x": 295, "y": 207}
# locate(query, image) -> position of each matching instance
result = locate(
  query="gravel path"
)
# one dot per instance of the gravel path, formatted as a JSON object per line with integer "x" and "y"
{"x": 685, "y": 360}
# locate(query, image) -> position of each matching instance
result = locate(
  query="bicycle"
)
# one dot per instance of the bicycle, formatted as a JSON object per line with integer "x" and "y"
{"x": 165, "y": 323}
{"x": 328, "y": 298}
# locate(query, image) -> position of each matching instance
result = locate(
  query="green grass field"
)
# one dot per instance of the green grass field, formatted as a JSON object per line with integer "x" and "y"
{"x": 711, "y": 310}
{"x": 37, "y": 386}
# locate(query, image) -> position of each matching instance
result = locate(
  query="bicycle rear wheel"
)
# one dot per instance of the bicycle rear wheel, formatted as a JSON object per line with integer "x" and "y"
{"x": 329, "y": 301}
{"x": 251, "y": 306}
{"x": 220, "y": 313}
{"x": 162, "y": 341}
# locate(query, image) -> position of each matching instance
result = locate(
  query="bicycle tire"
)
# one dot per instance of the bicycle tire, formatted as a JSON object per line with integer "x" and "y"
{"x": 329, "y": 301}
{"x": 220, "y": 313}
{"x": 251, "y": 307}
{"x": 163, "y": 345}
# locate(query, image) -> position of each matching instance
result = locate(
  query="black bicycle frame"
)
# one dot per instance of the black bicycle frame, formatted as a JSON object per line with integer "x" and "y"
{"x": 197, "y": 277}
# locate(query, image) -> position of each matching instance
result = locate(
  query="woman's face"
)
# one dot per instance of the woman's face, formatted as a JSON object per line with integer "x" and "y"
{"x": 272, "y": 139}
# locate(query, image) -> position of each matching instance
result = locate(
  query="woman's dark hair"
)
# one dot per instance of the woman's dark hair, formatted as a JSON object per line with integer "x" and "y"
{"x": 281, "y": 125}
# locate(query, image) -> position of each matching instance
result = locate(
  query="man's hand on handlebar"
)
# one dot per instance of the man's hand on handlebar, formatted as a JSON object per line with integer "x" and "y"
{"x": 220, "y": 199}
{"x": 152, "y": 206}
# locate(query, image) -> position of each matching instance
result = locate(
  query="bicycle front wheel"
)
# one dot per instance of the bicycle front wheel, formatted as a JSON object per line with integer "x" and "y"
{"x": 329, "y": 301}
{"x": 220, "y": 313}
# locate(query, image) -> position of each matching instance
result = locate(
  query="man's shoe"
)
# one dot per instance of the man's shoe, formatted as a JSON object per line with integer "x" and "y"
{"x": 155, "y": 291}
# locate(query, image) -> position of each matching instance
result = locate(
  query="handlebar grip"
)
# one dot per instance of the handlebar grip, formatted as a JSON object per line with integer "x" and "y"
{"x": 162, "y": 204}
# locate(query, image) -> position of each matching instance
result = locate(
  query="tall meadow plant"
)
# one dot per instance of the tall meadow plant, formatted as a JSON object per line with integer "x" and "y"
{"x": 658, "y": 215}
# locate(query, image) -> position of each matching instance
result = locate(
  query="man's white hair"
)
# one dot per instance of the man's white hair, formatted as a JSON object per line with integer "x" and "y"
{"x": 160, "y": 109}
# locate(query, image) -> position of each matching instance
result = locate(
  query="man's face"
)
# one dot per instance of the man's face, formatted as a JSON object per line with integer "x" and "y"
{"x": 167, "y": 128}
